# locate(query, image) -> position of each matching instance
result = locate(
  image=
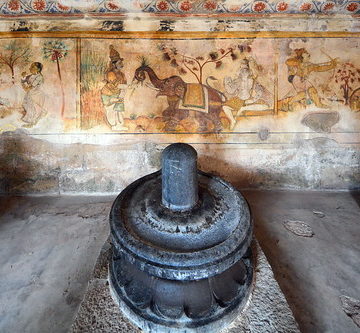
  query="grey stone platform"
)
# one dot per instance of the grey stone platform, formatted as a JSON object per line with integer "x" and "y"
{"x": 266, "y": 312}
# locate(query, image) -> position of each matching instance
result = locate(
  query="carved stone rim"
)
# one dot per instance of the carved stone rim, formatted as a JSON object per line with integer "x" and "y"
{"x": 181, "y": 265}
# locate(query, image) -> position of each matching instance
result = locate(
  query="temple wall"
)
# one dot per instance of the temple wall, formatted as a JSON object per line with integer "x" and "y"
{"x": 269, "y": 94}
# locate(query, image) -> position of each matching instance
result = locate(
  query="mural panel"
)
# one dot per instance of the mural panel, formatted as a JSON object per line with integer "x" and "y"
{"x": 38, "y": 84}
{"x": 175, "y": 85}
{"x": 214, "y": 85}
{"x": 187, "y": 86}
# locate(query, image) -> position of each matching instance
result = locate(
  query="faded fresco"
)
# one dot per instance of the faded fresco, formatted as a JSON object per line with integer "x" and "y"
{"x": 185, "y": 86}
{"x": 38, "y": 84}
{"x": 228, "y": 85}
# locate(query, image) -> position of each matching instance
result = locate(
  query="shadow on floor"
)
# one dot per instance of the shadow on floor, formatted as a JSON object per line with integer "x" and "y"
{"x": 356, "y": 196}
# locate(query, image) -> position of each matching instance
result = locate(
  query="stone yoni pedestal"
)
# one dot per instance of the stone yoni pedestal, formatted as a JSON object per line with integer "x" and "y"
{"x": 181, "y": 259}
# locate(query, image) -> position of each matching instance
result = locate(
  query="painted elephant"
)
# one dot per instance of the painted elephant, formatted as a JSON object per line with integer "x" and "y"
{"x": 174, "y": 88}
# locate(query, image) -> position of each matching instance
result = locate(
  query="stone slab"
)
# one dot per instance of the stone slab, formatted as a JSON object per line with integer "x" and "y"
{"x": 48, "y": 249}
{"x": 266, "y": 312}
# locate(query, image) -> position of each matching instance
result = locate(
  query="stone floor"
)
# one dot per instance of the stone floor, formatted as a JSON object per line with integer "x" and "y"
{"x": 49, "y": 245}
{"x": 312, "y": 272}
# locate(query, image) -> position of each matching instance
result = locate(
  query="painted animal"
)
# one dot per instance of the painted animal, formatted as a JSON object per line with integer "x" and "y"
{"x": 174, "y": 88}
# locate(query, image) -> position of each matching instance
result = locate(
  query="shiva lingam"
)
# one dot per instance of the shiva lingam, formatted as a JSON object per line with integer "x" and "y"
{"x": 181, "y": 248}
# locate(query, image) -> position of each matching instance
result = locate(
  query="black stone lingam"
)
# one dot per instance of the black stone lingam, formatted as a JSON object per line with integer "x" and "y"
{"x": 181, "y": 248}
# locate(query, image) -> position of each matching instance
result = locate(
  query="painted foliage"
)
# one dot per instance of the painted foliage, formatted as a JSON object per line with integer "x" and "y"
{"x": 38, "y": 84}
{"x": 199, "y": 85}
{"x": 174, "y": 86}
{"x": 218, "y": 85}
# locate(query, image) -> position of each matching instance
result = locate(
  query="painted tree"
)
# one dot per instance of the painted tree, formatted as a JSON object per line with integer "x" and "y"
{"x": 348, "y": 76}
{"x": 55, "y": 51}
{"x": 14, "y": 53}
{"x": 196, "y": 64}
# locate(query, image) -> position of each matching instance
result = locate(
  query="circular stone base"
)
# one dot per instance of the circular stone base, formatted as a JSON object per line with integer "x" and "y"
{"x": 149, "y": 321}
{"x": 192, "y": 306}
{"x": 152, "y": 327}
{"x": 266, "y": 311}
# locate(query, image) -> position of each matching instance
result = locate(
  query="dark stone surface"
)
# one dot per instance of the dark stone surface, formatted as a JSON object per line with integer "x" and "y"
{"x": 179, "y": 177}
{"x": 181, "y": 248}
{"x": 266, "y": 312}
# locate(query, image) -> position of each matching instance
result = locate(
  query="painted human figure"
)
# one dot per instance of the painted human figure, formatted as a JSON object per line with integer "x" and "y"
{"x": 33, "y": 103}
{"x": 244, "y": 89}
{"x": 299, "y": 70}
{"x": 113, "y": 92}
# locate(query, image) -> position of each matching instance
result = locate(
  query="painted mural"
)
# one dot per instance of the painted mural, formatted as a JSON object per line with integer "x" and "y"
{"x": 227, "y": 85}
{"x": 184, "y": 86}
{"x": 38, "y": 84}
{"x": 180, "y": 85}
{"x": 169, "y": 7}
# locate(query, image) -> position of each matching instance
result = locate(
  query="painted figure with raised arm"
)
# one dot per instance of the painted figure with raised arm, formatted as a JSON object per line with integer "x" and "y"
{"x": 299, "y": 70}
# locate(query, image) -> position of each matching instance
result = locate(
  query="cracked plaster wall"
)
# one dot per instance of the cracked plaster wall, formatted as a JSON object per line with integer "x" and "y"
{"x": 30, "y": 165}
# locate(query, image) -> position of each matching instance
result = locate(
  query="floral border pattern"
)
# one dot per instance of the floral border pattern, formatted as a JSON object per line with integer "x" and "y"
{"x": 253, "y": 7}
{"x": 186, "y": 7}
{"x": 50, "y": 7}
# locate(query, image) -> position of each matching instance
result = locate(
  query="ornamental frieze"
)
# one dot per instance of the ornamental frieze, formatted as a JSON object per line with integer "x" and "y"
{"x": 176, "y": 7}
